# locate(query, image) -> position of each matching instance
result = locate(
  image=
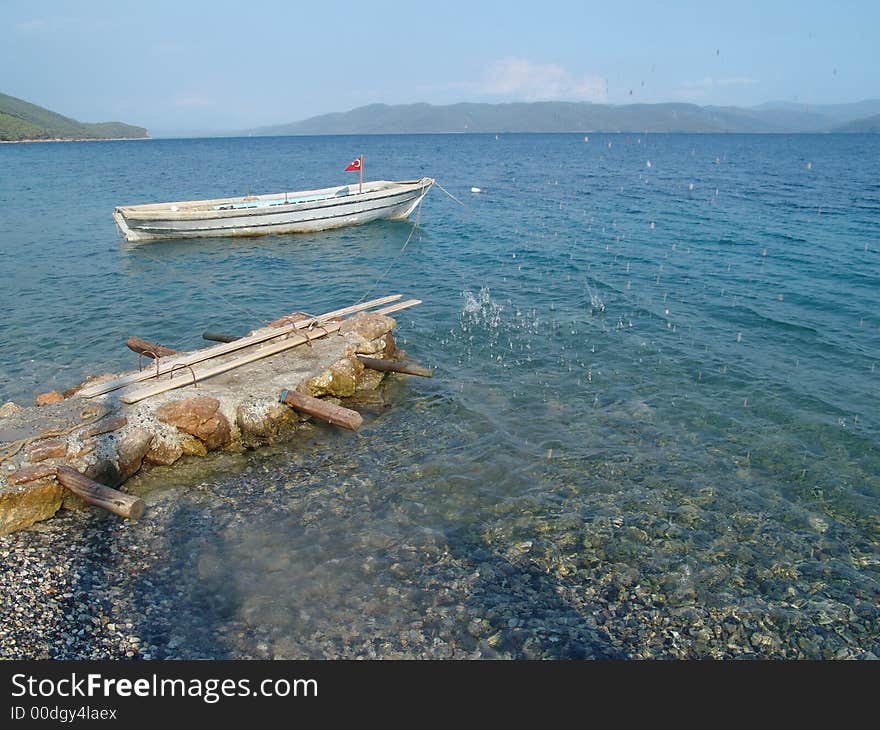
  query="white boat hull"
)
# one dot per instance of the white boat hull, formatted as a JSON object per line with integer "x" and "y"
{"x": 296, "y": 212}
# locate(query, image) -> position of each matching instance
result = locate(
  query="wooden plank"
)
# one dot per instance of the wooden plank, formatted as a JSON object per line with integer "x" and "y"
{"x": 395, "y": 366}
{"x": 293, "y": 341}
{"x": 119, "y": 503}
{"x": 217, "y": 350}
{"x": 322, "y": 410}
{"x": 150, "y": 349}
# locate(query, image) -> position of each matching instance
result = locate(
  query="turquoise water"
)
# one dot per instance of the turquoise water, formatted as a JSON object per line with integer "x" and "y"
{"x": 656, "y": 408}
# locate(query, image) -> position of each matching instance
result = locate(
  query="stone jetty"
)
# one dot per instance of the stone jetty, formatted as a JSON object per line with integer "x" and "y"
{"x": 235, "y": 399}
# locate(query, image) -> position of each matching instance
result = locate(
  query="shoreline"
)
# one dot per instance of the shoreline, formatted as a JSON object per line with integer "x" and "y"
{"x": 76, "y": 139}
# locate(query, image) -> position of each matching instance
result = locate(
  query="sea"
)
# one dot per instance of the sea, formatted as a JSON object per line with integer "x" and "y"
{"x": 653, "y": 428}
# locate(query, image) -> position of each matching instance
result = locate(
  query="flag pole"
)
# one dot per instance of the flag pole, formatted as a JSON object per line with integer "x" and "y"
{"x": 361, "y": 176}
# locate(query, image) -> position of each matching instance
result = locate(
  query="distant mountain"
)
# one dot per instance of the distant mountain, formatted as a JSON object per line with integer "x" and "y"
{"x": 559, "y": 116}
{"x": 868, "y": 124}
{"x": 20, "y": 120}
{"x": 840, "y": 113}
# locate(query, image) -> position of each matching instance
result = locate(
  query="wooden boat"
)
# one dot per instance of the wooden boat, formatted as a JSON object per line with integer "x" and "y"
{"x": 255, "y": 215}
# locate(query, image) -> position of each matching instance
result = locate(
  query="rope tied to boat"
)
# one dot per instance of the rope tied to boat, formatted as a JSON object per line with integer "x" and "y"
{"x": 416, "y": 224}
{"x": 463, "y": 205}
{"x": 396, "y": 257}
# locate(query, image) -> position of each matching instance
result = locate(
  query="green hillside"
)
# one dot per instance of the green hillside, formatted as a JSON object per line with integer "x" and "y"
{"x": 21, "y": 120}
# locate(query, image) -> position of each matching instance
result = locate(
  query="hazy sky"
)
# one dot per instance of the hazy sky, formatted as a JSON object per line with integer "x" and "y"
{"x": 183, "y": 66}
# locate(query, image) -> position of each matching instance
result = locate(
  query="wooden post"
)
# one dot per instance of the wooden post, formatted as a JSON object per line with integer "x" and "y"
{"x": 150, "y": 349}
{"x": 218, "y": 336}
{"x": 119, "y": 503}
{"x": 325, "y": 411}
{"x": 395, "y": 366}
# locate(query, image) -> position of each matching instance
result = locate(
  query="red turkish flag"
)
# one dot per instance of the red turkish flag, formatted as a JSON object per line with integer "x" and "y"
{"x": 354, "y": 166}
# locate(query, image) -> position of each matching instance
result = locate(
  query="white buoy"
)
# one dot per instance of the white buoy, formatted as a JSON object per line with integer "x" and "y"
{"x": 476, "y": 190}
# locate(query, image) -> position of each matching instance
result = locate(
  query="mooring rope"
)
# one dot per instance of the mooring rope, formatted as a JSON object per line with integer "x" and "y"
{"x": 451, "y": 195}
{"x": 396, "y": 257}
{"x": 403, "y": 248}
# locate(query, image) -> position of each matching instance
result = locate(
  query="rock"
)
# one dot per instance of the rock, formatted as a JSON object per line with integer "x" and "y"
{"x": 8, "y": 408}
{"x": 198, "y": 416}
{"x": 193, "y": 447}
{"x": 47, "y": 399}
{"x": 163, "y": 452}
{"x": 215, "y": 432}
{"x": 48, "y": 449}
{"x": 340, "y": 379}
{"x": 368, "y": 325}
{"x": 131, "y": 450}
{"x": 188, "y": 414}
{"x": 383, "y": 345}
{"x": 369, "y": 380}
{"x": 258, "y": 421}
{"x": 22, "y": 508}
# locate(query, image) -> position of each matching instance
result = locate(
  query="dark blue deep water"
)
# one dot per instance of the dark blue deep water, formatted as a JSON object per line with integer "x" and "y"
{"x": 654, "y": 426}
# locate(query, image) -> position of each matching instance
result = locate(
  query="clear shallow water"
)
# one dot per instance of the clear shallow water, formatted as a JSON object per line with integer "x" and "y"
{"x": 654, "y": 421}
